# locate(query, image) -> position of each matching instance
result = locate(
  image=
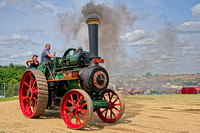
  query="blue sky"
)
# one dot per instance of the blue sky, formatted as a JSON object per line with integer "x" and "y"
{"x": 164, "y": 39}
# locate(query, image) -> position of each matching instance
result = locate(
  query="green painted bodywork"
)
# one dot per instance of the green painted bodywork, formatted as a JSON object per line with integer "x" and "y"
{"x": 100, "y": 104}
{"x": 56, "y": 63}
{"x": 68, "y": 58}
{"x": 67, "y": 52}
{"x": 56, "y": 72}
{"x": 59, "y": 76}
{"x": 73, "y": 84}
{"x": 42, "y": 67}
{"x": 67, "y": 63}
{"x": 73, "y": 59}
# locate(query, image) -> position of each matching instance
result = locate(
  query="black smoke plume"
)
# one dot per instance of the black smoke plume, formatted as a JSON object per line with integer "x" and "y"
{"x": 114, "y": 20}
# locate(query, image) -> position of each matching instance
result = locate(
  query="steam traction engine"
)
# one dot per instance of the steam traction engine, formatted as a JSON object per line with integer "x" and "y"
{"x": 75, "y": 83}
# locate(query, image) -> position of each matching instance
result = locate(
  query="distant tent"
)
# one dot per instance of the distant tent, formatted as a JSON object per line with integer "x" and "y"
{"x": 190, "y": 90}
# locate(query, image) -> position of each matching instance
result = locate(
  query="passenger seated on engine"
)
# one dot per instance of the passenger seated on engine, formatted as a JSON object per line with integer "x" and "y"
{"x": 34, "y": 63}
{"x": 45, "y": 55}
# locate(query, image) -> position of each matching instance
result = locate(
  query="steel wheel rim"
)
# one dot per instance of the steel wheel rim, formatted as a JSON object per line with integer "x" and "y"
{"x": 114, "y": 111}
{"x": 28, "y": 94}
{"x": 74, "y": 109}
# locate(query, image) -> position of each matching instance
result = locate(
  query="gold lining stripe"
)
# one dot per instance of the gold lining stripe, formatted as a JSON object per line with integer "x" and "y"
{"x": 62, "y": 79}
{"x": 93, "y": 22}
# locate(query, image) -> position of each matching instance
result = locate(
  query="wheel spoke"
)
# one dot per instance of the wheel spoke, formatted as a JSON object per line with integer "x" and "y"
{"x": 82, "y": 110}
{"x": 77, "y": 119}
{"x": 27, "y": 109}
{"x": 31, "y": 80}
{"x": 104, "y": 97}
{"x": 35, "y": 106}
{"x": 116, "y": 100}
{"x": 72, "y": 102}
{"x": 35, "y": 91}
{"x": 31, "y": 105}
{"x": 30, "y": 75}
{"x": 116, "y": 109}
{"x": 35, "y": 99}
{"x": 66, "y": 107}
{"x": 109, "y": 96}
{"x": 27, "y": 85}
{"x": 78, "y": 101}
{"x": 84, "y": 104}
{"x": 26, "y": 100}
{"x": 77, "y": 98}
{"x": 104, "y": 110}
{"x": 71, "y": 117}
{"x": 69, "y": 113}
{"x": 30, "y": 83}
{"x": 84, "y": 115}
{"x": 26, "y": 97}
{"x": 106, "y": 113}
{"x": 33, "y": 86}
{"x": 113, "y": 113}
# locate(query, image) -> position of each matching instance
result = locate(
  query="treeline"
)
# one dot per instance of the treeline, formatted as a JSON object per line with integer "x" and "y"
{"x": 11, "y": 76}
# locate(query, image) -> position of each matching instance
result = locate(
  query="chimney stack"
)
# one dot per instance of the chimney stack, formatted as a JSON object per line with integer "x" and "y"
{"x": 93, "y": 36}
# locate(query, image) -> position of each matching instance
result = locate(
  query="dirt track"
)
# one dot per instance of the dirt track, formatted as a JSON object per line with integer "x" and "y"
{"x": 143, "y": 114}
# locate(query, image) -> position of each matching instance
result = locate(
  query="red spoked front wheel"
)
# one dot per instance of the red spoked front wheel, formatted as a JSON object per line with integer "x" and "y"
{"x": 76, "y": 109}
{"x": 33, "y": 93}
{"x": 116, "y": 108}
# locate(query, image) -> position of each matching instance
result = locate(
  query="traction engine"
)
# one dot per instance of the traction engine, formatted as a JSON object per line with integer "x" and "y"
{"x": 74, "y": 83}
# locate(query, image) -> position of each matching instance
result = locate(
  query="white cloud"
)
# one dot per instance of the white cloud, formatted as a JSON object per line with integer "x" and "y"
{"x": 7, "y": 59}
{"x": 42, "y": 7}
{"x": 134, "y": 36}
{"x": 137, "y": 37}
{"x": 19, "y": 55}
{"x": 183, "y": 43}
{"x": 52, "y": 7}
{"x": 26, "y": 54}
{"x": 152, "y": 51}
{"x": 35, "y": 5}
{"x": 189, "y": 27}
{"x": 31, "y": 30}
{"x": 19, "y": 37}
{"x": 165, "y": 56}
{"x": 147, "y": 41}
{"x": 14, "y": 39}
{"x": 2, "y": 54}
{"x": 2, "y": 4}
{"x": 188, "y": 47}
{"x": 157, "y": 61}
{"x": 196, "y": 10}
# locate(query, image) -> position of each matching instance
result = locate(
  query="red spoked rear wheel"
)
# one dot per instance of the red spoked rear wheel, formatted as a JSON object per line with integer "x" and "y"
{"x": 76, "y": 109}
{"x": 116, "y": 108}
{"x": 33, "y": 93}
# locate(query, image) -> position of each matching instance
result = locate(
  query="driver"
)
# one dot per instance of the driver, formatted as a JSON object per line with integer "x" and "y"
{"x": 45, "y": 55}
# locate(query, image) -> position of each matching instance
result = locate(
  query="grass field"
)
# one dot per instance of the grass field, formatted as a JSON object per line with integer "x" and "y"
{"x": 172, "y": 98}
{"x": 8, "y": 98}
